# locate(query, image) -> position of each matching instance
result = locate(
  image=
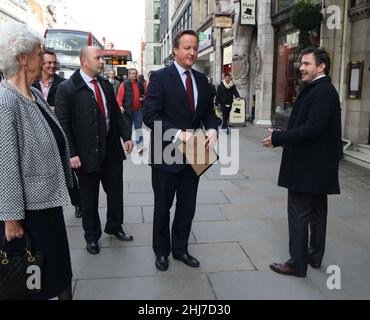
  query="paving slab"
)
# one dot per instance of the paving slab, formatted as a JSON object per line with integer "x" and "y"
{"x": 77, "y": 240}
{"x": 266, "y": 285}
{"x": 223, "y": 231}
{"x": 211, "y": 197}
{"x": 161, "y": 287}
{"x": 139, "y": 199}
{"x": 140, "y": 186}
{"x": 113, "y": 263}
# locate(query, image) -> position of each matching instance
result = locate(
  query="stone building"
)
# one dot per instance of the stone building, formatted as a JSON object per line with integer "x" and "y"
{"x": 152, "y": 48}
{"x": 264, "y": 59}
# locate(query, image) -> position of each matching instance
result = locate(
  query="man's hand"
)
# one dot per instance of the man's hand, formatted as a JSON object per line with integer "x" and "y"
{"x": 211, "y": 139}
{"x": 186, "y": 137}
{"x": 268, "y": 141}
{"x": 128, "y": 146}
{"x": 75, "y": 162}
{"x": 13, "y": 229}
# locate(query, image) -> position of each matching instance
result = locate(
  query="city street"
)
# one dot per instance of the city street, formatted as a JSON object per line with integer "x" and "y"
{"x": 240, "y": 228}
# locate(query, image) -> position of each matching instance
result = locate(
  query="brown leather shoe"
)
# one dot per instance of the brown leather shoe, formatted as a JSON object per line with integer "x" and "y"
{"x": 287, "y": 269}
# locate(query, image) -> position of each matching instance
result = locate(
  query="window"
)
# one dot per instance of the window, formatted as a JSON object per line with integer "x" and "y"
{"x": 157, "y": 55}
{"x": 156, "y": 9}
{"x": 156, "y": 33}
{"x": 280, "y": 5}
{"x": 287, "y": 76}
{"x": 190, "y": 18}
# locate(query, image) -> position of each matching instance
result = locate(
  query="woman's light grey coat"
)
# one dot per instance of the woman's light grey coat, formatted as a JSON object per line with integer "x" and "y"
{"x": 32, "y": 174}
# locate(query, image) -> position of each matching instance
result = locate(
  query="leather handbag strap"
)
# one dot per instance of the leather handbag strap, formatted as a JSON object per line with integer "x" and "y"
{"x": 27, "y": 241}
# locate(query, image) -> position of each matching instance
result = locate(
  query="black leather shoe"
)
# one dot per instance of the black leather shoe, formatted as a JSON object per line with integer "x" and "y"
{"x": 287, "y": 269}
{"x": 92, "y": 247}
{"x": 78, "y": 212}
{"x": 161, "y": 263}
{"x": 187, "y": 259}
{"x": 121, "y": 235}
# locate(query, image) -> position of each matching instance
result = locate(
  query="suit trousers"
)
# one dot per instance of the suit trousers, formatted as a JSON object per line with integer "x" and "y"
{"x": 165, "y": 185}
{"x": 225, "y": 116}
{"x": 111, "y": 178}
{"x": 307, "y": 217}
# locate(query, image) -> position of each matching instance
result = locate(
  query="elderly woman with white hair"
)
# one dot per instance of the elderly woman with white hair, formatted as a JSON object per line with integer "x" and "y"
{"x": 34, "y": 163}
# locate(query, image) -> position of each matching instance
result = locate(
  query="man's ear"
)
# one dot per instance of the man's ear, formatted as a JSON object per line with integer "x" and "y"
{"x": 322, "y": 67}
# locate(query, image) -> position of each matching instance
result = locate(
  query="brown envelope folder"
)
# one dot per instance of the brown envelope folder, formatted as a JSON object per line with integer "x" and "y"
{"x": 196, "y": 155}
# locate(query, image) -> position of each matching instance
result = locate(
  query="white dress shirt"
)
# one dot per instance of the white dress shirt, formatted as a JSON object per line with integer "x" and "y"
{"x": 88, "y": 79}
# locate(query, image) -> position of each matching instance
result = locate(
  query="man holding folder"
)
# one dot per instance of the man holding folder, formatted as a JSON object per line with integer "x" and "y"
{"x": 178, "y": 99}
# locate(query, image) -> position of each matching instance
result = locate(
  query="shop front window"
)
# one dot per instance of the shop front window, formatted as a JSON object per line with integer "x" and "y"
{"x": 287, "y": 77}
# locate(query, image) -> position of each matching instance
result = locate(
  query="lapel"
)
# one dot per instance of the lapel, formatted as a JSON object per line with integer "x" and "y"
{"x": 179, "y": 87}
{"x": 197, "y": 82}
{"x": 53, "y": 87}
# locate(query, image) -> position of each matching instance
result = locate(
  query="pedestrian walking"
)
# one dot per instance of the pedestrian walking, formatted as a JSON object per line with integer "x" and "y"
{"x": 226, "y": 91}
{"x": 113, "y": 81}
{"x": 130, "y": 98}
{"x": 88, "y": 112}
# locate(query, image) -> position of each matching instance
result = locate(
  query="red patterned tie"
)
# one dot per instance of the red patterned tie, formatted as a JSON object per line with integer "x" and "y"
{"x": 189, "y": 90}
{"x": 99, "y": 97}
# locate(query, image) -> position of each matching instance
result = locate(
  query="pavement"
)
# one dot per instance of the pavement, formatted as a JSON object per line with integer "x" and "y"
{"x": 240, "y": 227}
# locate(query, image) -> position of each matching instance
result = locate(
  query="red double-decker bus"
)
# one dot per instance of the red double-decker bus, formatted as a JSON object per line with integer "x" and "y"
{"x": 116, "y": 60}
{"x": 66, "y": 44}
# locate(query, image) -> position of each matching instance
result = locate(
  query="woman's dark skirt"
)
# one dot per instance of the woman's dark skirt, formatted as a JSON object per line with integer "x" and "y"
{"x": 47, "y": 231}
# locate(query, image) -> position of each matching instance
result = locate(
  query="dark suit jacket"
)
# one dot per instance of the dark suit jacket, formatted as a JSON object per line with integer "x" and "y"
{"x": 53, "y": 89}
{"x": 312, "y": 143}
{"x": 78, "y": 112}
{"x": 115, "y": 86}
{"x": 166, "y": 101}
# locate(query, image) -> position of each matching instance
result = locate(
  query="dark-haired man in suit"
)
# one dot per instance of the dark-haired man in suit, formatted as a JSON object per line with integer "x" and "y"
{"x": 178, "y": 99}
{"x": 312, "y": 148}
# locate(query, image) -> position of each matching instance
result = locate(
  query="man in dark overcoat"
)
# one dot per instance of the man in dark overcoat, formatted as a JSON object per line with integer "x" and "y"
{"x": 89, "y": 114}
{"x": 312, "y": 148}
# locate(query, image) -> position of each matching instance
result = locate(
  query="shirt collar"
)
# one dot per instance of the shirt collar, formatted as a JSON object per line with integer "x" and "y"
{"x": 319, "y": 77}
{"x": 48, "y": 84}
{"x": 180, "y": 69}
{"x": 86, "y": 77}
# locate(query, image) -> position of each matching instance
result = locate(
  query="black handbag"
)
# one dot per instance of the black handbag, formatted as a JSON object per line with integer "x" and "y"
{"x": 20, "y": 273}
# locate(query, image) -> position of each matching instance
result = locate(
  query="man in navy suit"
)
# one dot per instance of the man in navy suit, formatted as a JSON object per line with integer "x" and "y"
{"x": 178, "y": 101}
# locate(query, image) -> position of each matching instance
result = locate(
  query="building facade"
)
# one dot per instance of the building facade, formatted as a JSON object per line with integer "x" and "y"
{"x": 263, "y": 58}
{"x": 16, "y": 11}
{"x": 152, "y": 49}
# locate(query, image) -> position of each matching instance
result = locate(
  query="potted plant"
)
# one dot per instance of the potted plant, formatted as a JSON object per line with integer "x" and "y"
{"x": 306, "y": 16}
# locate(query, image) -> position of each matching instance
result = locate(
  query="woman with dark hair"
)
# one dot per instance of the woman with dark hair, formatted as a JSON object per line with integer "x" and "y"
{"x": 34, "y": 163}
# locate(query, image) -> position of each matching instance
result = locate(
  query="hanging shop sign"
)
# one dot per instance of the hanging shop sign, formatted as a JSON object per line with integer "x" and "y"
{"x": 223, "y": 21}
{"x": 248, "y": 12}
{"x": 205, "y": 39}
